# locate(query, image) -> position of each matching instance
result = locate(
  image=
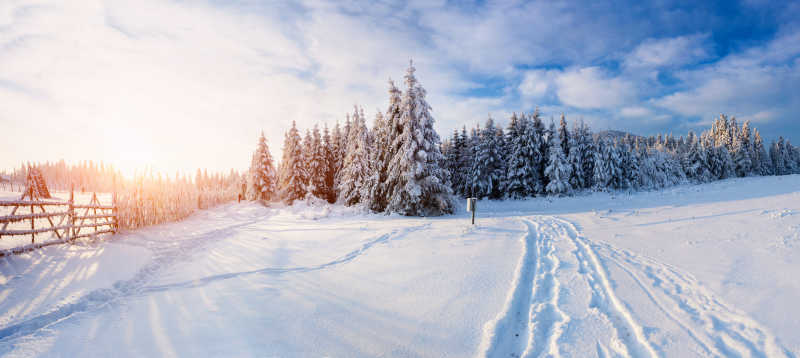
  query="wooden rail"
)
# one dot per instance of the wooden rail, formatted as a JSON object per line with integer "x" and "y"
{"x": 103, "y": 218}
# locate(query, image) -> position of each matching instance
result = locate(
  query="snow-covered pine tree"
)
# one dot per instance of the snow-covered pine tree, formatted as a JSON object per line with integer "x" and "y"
{"x": 538, "y": 138}
{"x": 650, "y": 176}
{"x": 261, "y": 176}
{"x": 559, "y": 170}
{"x": 355, "y": 169}
{"x": 328, "y": 147}
{"x": 416, "y": 182}
{"x": 452, "y": 158}
{"x": 374, "y": 195}
{"x": 547, "y": 139}
{"x": 464, "y": 147}
{"x": 776, "y": 160}
{"x": 586, "y": 146}
{"x": 695, "y": 162}
{"x": 720, "y": 162}
{"x": 338, "y": 151}
{"x": 500, "y": 189}
{"x": 629, "y": 164}
{"x": 794, "y": 156}
{"x": 316, "y": 160}
{"x": 292, "y": 176}
{"x": 487, "y": 167}
{"x": 308, "y": 154}
{"x": 580, "y": 156}
{"x": 742, "y": 151}
{"x": 522, "y": 176}
{"x": 473, "y": 145}
{"x": 563, "y": 135}
{"x": 343, "y": 145}
{"x": 788, "y": 158}
{"x": 760, "y": 161}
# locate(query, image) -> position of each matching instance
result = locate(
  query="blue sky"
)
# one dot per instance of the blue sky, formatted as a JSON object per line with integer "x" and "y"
{"x": 184, "y": 84}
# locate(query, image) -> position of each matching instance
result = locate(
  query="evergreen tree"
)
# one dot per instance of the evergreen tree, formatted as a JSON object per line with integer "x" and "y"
{"x": 581, "y": 157}
{"x": 416, "y": 182}
{"x": 760, "y": 164}
{"x": 499, "y": 191}
{"x": 329, "y": 172}
{"x": 316, "y": 159}
{"x": 563, "y": 135}
{"x": 487, "y": 168}
{"x": 788, "y": 158}
{"x": 374, "y": 187}
{"x": 695, "y": 161}
{"x": 292, "y": 176}
{"x": 261, "y": 176}
{"x": 558, "y": 169}
{"x": 522, "y": 176}
{"x": 538, "y": 135}
{"x": 742, "y": 151}
{"x": 338, "y": 151}
{"x": 776, "y": 155}
{"x": 356, "y": 169}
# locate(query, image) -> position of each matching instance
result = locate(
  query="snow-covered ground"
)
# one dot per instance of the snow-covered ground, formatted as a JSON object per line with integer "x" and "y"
{"x": 705, "y": 270}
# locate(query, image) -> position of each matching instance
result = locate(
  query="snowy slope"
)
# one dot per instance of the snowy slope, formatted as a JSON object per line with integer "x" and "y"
{"x": 691, "y": 271}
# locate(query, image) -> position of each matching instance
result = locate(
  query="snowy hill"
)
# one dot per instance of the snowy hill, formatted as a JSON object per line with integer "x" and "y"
{"x": 692, "y": 271}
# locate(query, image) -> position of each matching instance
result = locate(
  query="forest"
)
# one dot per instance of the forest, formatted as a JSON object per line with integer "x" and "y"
{"x": 400, "y": 164}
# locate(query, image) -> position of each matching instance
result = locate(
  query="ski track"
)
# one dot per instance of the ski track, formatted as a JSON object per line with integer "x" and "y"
{"x": 510, "y": 332}
{"x": 626, "y": 329}
{"x": 547, "y": 319}
{"x": 533, "y": 321}
{"x": 719, "y": 329}
{"x": 165, "y": 257}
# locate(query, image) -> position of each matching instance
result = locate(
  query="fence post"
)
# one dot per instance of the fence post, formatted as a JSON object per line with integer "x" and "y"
{"x": 115, "y": 223}
{"x": 33, "y": 226}
{"x": 71, "y": 214}
{"x": 96, "y": 202}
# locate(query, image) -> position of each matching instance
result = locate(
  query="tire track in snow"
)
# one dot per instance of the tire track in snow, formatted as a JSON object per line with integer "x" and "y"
{"x": 532, "y": 321}
{"x": 720, "y": 329}
{"x": 628, "y": 331}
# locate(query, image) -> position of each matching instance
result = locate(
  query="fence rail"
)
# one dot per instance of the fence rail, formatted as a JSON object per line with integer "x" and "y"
{"x": 103, "y": 218}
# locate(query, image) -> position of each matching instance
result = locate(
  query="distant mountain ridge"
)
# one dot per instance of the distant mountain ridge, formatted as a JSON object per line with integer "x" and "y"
{"x": 614, "y": 134}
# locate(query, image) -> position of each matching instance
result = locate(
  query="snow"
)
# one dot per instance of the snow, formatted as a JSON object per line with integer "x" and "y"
{"x": 690, "y": 271}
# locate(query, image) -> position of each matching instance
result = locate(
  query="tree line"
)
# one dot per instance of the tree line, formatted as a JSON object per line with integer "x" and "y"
{"x": 400, "y": 165}
{"x": 530, "y": 159}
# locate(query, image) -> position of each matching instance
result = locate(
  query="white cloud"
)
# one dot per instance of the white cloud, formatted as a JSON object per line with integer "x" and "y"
{"x": 635, "y": 112}
{"x": 589, "y": 87}
{"x": 756, "y": 84}
{"x": 535, "y": 83}
{"x": 669, "y": 52}
{"x": 198, "y": 81}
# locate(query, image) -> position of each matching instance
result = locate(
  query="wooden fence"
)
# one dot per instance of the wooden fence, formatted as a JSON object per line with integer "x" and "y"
{"x": 66, "y": 220}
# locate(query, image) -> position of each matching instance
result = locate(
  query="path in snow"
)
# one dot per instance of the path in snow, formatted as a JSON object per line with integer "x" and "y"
{"x": 563, "y": 303}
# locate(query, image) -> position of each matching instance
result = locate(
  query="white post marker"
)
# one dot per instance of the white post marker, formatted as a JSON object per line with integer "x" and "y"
{"x": 471, "y": 206}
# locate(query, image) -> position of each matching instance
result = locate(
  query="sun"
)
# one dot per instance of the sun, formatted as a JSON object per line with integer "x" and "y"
{"x": 131, "y": 152}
